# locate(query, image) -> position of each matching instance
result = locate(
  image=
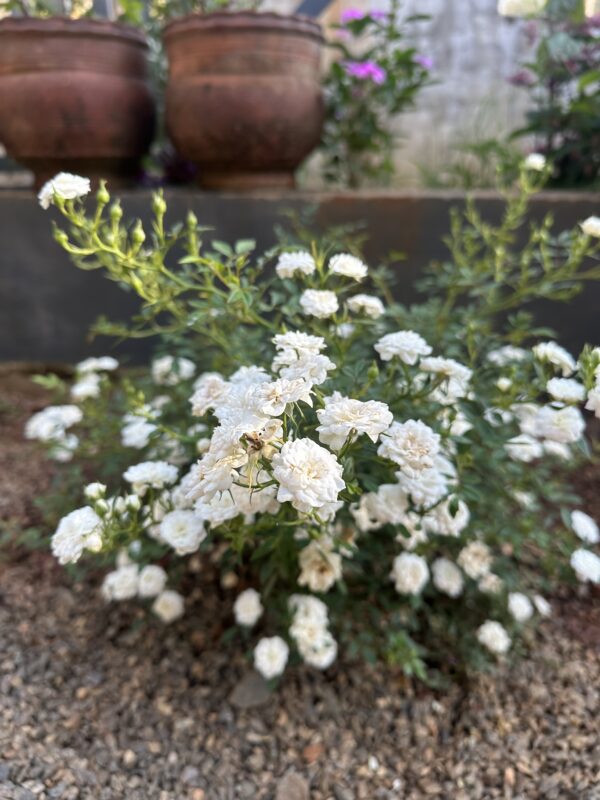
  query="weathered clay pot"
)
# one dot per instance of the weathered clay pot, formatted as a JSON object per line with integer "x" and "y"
{"x": 74, "y": 96}
{"x": 243, "y": 99}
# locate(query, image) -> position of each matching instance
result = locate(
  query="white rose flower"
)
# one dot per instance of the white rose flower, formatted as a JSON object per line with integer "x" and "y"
{"x": 520, "y": 8}
{"x": 442, "y": 522}
{"x": 209, "y": 390}
{"x": 247, "y": 608}
{"x": 566, "y": 390}
{"x": 64, "y": 185}
{"x": 593, "y": 401}
{"x": 585, "y": 527}
{"x": 94, "y": 491}
{"x": 310, "y": 477}
{"x": 475, "y": 559}
{"x": 427, "y": 487}
{"x": 349, "y": 266}
{"x": 342, "y": 418}
{"x": 122, "y": 584}
{"x": 183, "y": 530}
{"x": 410, "y": 573}
{"x": 320, "y": 655}
{"x": 586, "y": 565}
{"x": 320, "y": 303}
{"x": 520, "y": 606}
{"x": 86, "y": 387}
{"x": 457, "y": 374}
{"x": 155, "y": 474}
{"x": 556, "y": 355}
{"x": 152, "y": 580}
{"x": 542, "y": 606}
{"x": 296, "y": 344}
{"x": 312, "y": 369}
{"x": 408, "y": 346}
{"x": 504, "y": 384}
{"x": 168, "y": 606}
{"x": 506, "y": 354}
{"x": 101, "y": 364}
{"x": 270, "y": 656}
{"x": 366, "y": 304}
{"x": 274, "y": 397}
{"x": 290, "y": 264}
{"x": 136, "y": 432}
{"x": 565, "y": 425}
{"x": 447, "y": 577}
{"x": 557, "y": 449}
{"x": 490, "y": 584}
{"x": 524, "y": 448}
{"x": 320, "y": 566}
{"x": 411, "y": 444}
{"x": 494, "y": 637}
{"x": 305, "y": 607}
{"x": 51, "y": 423}
{"x": 169, "y": 371}
{"x": 591, "y": 226}
{"x": 535, "y": 161}
{"x": 345, "y": 330}
{"x": 78, "y": 531}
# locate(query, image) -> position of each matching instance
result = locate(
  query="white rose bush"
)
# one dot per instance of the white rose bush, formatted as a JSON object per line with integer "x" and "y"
{"x": 383, "y": 482}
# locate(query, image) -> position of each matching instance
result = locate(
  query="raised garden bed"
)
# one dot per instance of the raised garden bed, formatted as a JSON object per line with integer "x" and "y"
{"x": 47, "y": 306}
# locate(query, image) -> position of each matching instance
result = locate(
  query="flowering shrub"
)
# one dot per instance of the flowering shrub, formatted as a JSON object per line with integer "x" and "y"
{"x": 376, "y": 77}
{"x": 562, "y": 79}
{"x": 391, "y": 481}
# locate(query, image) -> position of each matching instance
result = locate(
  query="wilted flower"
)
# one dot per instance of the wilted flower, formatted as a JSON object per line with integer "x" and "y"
{"x": 320, "y": 566}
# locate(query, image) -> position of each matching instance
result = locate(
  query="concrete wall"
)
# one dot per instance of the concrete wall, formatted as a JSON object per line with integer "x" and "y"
{"x": 47, "y": 305}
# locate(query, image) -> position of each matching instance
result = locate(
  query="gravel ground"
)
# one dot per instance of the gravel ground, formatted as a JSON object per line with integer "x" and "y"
{"x": 103, "y": 703}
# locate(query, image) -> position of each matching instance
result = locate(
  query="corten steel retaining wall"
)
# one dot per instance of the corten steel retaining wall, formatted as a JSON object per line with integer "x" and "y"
{"x": 47, "y": 305}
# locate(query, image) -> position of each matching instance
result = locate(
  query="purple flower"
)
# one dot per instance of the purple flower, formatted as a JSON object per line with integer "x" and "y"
{"x": 522, "y": 78}
{"x": 350, "y": 14}
{"x": 366, "y": 70}
{"x": 424, "y": 61}
{"x": 380, "y": 15}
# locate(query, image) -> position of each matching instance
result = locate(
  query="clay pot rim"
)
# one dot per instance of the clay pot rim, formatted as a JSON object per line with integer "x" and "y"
{"x": 66, "y": 26}
{"x": 296, "y": 24}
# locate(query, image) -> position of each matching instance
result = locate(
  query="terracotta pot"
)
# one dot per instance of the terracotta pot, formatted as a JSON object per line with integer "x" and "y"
{"x": 243, "y": 99}
{"x": 74, "y": 96}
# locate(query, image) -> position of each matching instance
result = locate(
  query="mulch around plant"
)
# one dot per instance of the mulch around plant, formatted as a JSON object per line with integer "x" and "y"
{"x": 104, "y": 702}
